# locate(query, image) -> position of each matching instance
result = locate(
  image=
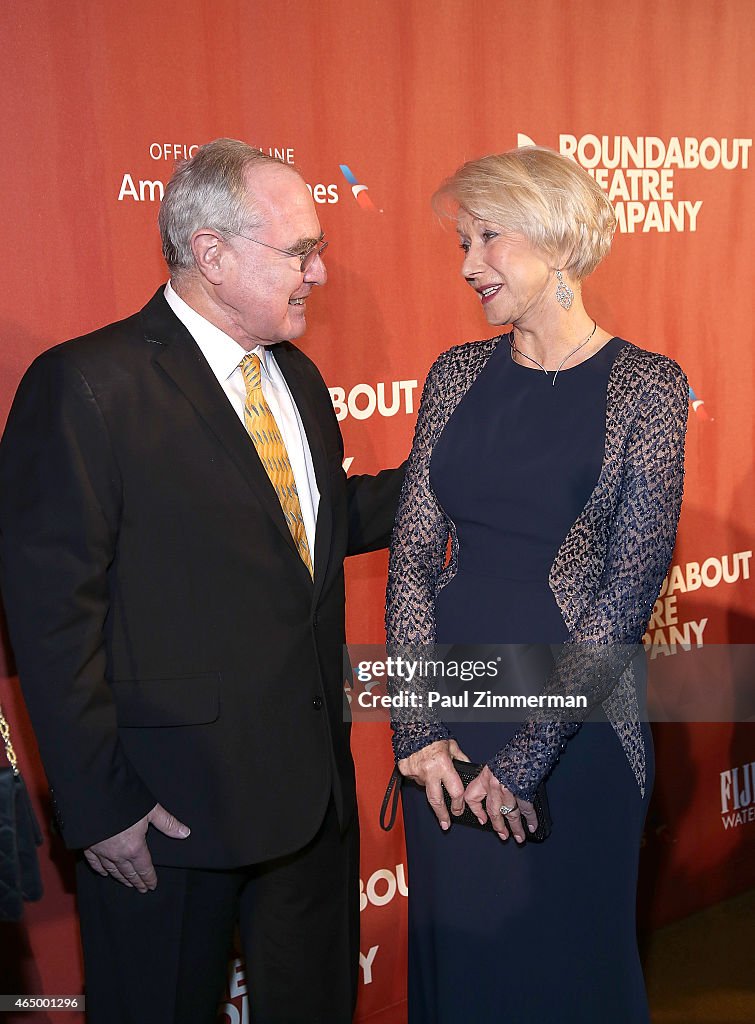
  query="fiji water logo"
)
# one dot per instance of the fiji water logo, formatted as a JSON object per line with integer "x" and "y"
{"x": 358, "y": 190}
{"x": 698, "y": 406}
{"x": 738, "y": 796}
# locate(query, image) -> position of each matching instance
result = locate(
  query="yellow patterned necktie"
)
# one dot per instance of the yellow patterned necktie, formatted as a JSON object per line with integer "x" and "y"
{"x": 263, "y": 430}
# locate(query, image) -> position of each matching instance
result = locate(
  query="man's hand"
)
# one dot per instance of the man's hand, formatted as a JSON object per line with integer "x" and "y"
{"x": 431, "y": 767}
{"x": 126, "y": 856}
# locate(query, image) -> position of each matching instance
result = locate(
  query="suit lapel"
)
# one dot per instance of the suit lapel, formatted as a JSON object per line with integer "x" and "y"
{"x": 286, "y": 358}
{"x": 178, "y": 355}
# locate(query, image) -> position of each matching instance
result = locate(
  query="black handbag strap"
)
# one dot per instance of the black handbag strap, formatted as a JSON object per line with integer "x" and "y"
{"x": 391, "y": 797}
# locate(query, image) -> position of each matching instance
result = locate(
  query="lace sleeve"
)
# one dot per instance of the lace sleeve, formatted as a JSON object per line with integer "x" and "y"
{"x": 418, "y": 554}
{"x": 640, "y": 546}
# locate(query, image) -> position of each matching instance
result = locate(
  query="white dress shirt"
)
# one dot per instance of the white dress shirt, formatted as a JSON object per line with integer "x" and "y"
{"x": 224, "y": 356}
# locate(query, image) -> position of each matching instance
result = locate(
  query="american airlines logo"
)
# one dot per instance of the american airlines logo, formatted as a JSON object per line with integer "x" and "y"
{"x": 358, "y": 190}
{"x": 698, "y": 405}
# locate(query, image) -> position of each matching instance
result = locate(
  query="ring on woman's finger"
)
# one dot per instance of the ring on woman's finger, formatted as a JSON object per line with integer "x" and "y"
{"x": 507, "y": 810}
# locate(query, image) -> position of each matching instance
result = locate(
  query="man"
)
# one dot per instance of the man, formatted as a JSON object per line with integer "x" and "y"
{"x": 174, "y": 521}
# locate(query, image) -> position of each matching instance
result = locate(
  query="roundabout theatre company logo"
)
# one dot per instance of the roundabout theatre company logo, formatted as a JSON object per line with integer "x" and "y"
{"x": 638, "y": 173}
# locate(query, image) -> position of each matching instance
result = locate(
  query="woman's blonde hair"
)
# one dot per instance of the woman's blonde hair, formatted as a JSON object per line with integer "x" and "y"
{"x": 557, "y": 206}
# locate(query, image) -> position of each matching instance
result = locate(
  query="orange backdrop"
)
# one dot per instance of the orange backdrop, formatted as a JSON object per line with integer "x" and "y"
{"x": 654, "y": 96}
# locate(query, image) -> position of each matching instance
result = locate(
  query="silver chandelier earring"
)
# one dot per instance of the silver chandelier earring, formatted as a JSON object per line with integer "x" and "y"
{"x": 564, "y": 294}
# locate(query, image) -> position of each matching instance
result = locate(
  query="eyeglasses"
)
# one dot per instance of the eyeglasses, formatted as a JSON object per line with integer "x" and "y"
{"x": 306, "y": 258}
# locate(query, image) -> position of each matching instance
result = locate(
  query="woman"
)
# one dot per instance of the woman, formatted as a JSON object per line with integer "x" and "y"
{"x": 552, "y": 456}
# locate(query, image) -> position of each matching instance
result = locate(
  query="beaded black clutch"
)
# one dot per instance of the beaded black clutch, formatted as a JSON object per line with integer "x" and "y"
{"x": 468, "y": 771}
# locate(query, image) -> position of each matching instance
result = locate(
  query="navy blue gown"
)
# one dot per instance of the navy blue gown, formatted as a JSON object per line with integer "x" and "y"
{"x": 542, "y": 934}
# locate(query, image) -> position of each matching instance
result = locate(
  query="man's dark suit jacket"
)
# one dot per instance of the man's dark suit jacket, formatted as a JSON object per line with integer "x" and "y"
{"x": 170, "y": 642}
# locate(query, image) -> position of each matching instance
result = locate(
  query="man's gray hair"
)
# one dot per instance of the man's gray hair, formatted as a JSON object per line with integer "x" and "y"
{"x": 208, "y": 191}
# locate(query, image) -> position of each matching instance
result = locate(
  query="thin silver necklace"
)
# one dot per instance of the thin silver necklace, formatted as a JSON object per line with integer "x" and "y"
{"x": 517, "y": 351}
